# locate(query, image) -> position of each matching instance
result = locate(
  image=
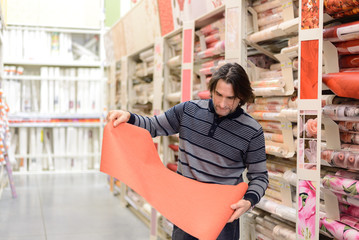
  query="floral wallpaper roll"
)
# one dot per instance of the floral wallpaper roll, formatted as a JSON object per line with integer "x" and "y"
{"x": 340, "y": 185}
{"x": 349, "y": 209}
{"x": 306, "y": 209}
{"x": 338, "y": 230}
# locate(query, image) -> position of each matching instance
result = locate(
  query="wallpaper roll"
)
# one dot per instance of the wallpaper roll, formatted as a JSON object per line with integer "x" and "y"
{"x": 334, "y": 6}
{"x": 198, "y": 208}
{"x": 350, "y": 220}
{"x": 218, "y": 49}
{"x": 349, "y": 210}
{"x": 350, "y": 12}
{"x": 252, "y": 107}
{"x": 270, "y": 74}
{"x": 270, "y": 12}
{"x": 219, "y": 24}
{"x": 348, "y": 47}
{"x": 342, "y": 198}
{"x": 276, "y": 150}
{"x": 268, "y": 83}
{"x": 343, "y": 32}
{"x": 347, "y": 137}
{"x": 268, "y": 91}
{"x": 265, "y": 115}
{"x": 274, "y": 18}
{"x": 349, "y": 61}
{"x": 208, "y": 71}
{"x": 271, "y": 32}
{"x": 343, "y": 84}
{"x": 285, "y": 212}
{"x": 350, "y": 147}
{"x": 343, "y": 159}
{"x": 215, "y": 37}
{"x": 341, "y": 112}
{"x": 272, "y": 100}
{"x": 282, "y": 232}
{"x": 349, "y": 70}
{"x": 341, "y": 185}
{"x": 263, "y": 230}
{"x": 338, "y": 230}
{"x": 175, "y": 61}
{"x": 268, "y": 125}
{"x": 274, "y": 137}
{"x": 278, "y": 167}
{"x": 261, "y": 6}
{"x": 212, "y": 63}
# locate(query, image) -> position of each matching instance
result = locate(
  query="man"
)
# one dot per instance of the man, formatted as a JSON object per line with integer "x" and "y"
{"x": 218, "y": 140}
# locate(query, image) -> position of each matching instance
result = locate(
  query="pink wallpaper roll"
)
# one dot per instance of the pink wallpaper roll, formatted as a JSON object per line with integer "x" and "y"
{"x": 251, "y": 107}
{"x": 341, "y": 185}
{"x": 345, "y": 199}
{"x": 349, "y": 210}
{"x": 350, "y": 220}
{"x": 338, "y": 230}
{"x": 347, "y": 137}
{"x": 343, "y": 159}
{"x": 349, "y": 126}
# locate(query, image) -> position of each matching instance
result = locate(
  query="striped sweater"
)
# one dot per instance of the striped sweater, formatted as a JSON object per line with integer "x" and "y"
{"x": 213, "y": 149}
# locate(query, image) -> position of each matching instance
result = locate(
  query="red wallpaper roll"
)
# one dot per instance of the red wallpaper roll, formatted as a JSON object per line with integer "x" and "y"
{"x": 349, "y": 61}
{"x": 201, "y": 209}
{"x": 348, "y": 47}
{"x": 343, "y": 84}
{"x": 343, "y": 32}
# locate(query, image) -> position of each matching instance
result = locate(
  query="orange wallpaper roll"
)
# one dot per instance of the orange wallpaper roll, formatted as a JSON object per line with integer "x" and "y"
{"x": 200, "y": 209}
{"x": 343, "y": 84}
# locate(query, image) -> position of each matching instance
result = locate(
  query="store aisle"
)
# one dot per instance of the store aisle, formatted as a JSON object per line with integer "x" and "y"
{"x": 66, "y": 206}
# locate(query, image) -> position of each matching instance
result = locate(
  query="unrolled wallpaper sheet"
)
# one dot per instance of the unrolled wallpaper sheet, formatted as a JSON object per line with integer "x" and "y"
{"x": 201, "y": 209}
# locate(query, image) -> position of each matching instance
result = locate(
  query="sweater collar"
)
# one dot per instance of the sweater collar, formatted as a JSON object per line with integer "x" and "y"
{"x": 232, "y": 115}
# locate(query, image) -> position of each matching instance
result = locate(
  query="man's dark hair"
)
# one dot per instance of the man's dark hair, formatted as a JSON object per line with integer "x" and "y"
{"x": 235, "y": 75}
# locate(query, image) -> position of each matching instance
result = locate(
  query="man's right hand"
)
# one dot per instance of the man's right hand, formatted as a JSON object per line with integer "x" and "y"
{"x": 118, "y": 116}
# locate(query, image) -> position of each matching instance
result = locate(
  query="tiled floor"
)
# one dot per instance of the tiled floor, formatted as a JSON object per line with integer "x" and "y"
{"x": 66, "y": 207}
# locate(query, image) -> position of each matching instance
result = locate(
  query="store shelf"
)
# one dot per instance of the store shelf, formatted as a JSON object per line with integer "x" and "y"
{"x": 52, "y": 125}
{"x": 70, "y": 63}
{"x": 55, "y": 29}
{"x": 57, "y": 155}
{"x": 16, "y": 116}
{"x": 66, "y": 78}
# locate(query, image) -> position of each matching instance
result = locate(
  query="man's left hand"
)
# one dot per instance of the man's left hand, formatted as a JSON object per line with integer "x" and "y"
{"x": 239, "y": 208}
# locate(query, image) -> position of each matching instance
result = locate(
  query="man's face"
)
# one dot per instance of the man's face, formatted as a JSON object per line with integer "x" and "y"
{"x": 223, "y": 98}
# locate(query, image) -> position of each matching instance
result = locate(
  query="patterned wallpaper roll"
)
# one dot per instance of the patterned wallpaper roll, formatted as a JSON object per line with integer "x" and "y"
{"x": 341, "y": 185}
{"x": 349, "y": 210}
{"x": 344, "y": 159}
{"x": 350, "y": 220}
{"x": 338, "y": 230}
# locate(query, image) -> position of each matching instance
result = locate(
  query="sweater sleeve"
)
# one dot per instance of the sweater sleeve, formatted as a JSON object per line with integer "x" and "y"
{"x": 257, "y": 169}
{"x": 165, "y": 124}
